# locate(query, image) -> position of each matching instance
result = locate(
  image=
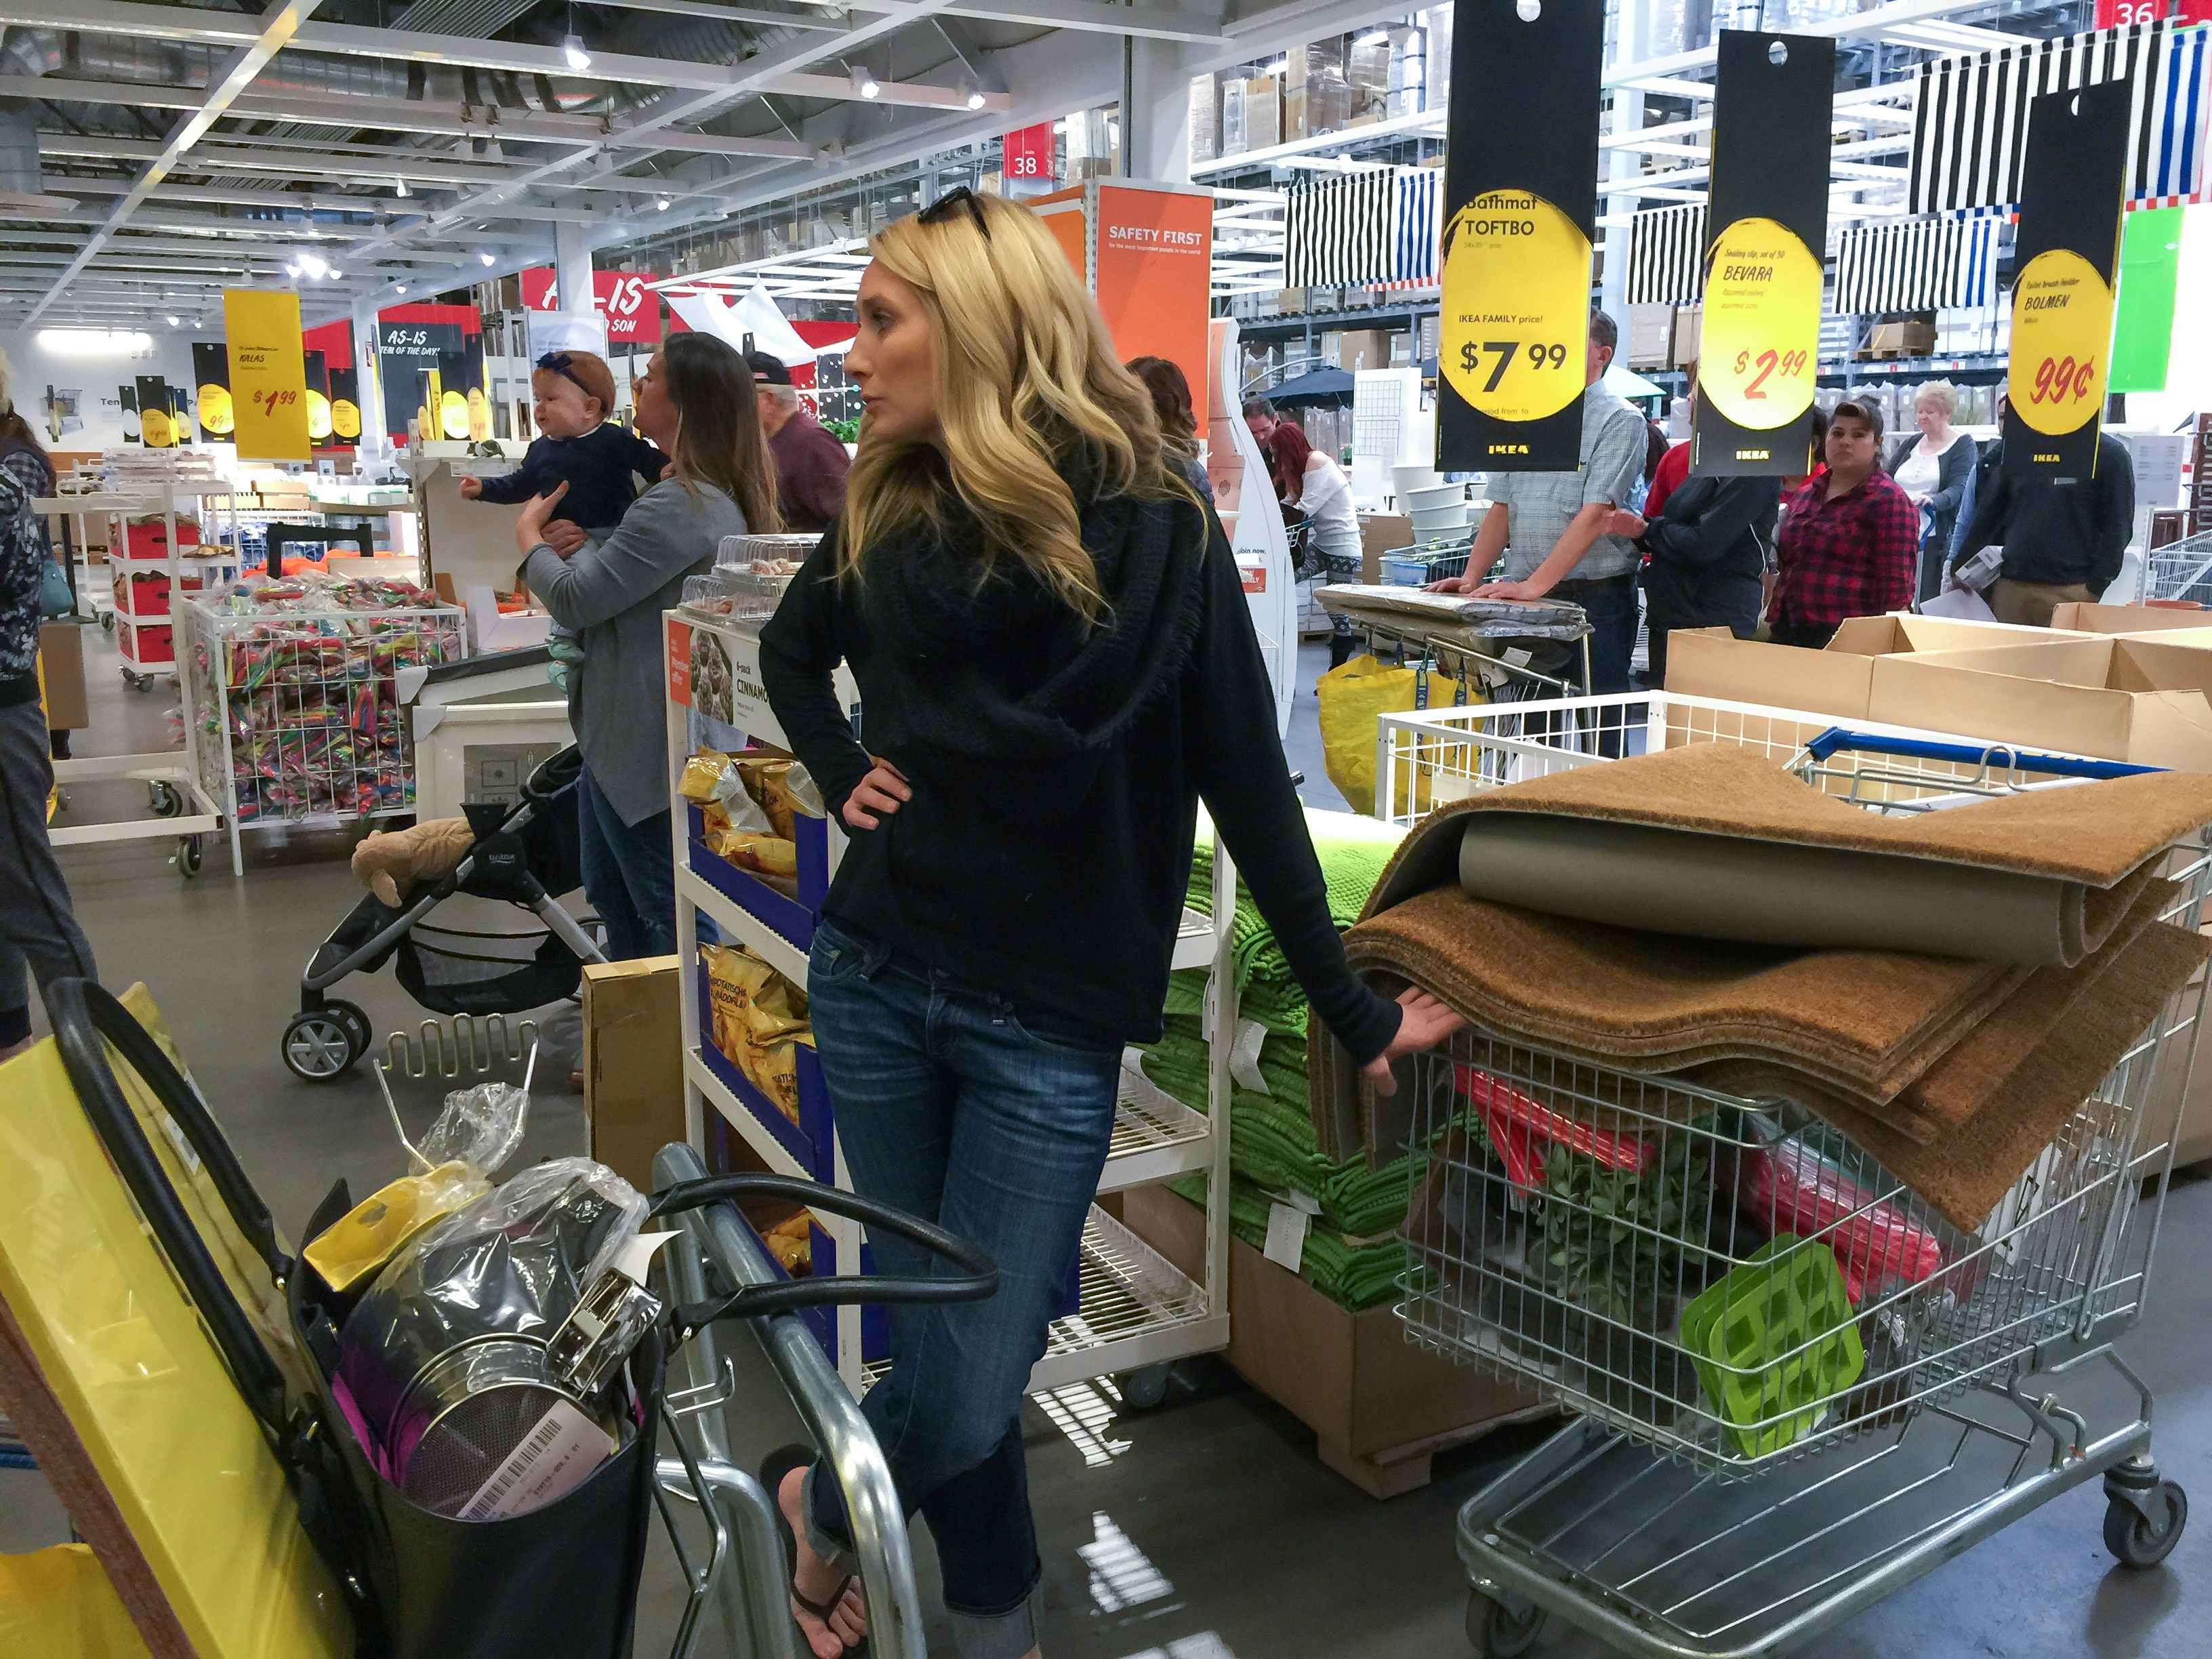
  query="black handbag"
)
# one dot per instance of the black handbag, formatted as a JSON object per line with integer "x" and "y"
{"x": 558, "y": 1580}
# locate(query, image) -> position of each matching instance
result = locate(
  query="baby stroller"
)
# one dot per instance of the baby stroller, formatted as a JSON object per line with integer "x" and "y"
{"x": 525, "y": 855}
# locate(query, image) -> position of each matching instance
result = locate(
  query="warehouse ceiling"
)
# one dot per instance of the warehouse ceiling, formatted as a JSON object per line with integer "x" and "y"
{"x": 153, "y": 153}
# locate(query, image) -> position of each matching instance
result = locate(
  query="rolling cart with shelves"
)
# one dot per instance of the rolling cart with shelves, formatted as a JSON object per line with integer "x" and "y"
{"x": 1137, "y": 1311}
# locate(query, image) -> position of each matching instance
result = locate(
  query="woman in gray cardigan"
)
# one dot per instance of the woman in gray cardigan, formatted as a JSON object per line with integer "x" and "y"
{"x": 1936, "y": 468}
{"x": 695, "y": 402}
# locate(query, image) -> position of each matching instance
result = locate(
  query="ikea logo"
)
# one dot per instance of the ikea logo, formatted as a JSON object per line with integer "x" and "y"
{"x": 1754, "y": 455}
{"x": 2047, "y": 460}
{"x": 1509, "y": 449}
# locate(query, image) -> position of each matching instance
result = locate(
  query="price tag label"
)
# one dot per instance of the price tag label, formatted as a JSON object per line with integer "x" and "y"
{"x": 1761, "y": 333}
{"x": 1516, "y": 279}
{"x": 2062, "y": 333}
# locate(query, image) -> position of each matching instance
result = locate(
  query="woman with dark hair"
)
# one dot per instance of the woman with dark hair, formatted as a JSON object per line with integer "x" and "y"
{"x": 1178, "y": 421}
{"x": 695, "y": 402}
{"x": 1848, "y": 544}
{"x": 1056, "y": 659}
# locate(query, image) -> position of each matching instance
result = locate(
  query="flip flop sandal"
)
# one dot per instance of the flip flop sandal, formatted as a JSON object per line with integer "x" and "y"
{"x": 777, "y": 1465}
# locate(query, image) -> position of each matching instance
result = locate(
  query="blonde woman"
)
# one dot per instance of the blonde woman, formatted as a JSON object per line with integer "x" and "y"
{"x": 1056, "y": 661}
{"x": 1937, "y": 470}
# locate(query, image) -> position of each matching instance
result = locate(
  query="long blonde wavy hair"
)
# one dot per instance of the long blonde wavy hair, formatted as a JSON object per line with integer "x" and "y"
{"x": 1027, "y": 385}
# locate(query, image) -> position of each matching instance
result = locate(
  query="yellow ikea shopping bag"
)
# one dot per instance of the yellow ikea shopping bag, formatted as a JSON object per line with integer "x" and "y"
{"x": 1353, "y": 698}
{"x": 57, "y": 1603}
{"x": 145, "y": 1394}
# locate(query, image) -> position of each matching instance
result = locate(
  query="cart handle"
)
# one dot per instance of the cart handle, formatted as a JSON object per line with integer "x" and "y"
{"x": 81, "y": 1013}
{"x": 1838, "y": 739}
{"x": 977, "y": 1279}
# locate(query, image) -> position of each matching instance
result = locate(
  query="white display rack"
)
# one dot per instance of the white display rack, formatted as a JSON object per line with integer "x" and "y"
{"x": 176, "y": 794}
{"x": 1137, "y": 1309}
{"x": 297, "y": 714}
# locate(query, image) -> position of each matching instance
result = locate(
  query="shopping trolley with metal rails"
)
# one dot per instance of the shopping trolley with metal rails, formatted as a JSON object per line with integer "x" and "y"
{"x": 1885, "y": 1390}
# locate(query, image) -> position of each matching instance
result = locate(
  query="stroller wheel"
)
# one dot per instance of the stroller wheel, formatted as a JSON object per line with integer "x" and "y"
{"x": 318, "y": 1045}
{"x": 357, "y": 1022}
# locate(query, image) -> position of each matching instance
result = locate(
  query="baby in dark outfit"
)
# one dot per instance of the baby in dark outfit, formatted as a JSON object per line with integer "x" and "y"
{"x": 573, "y": 393}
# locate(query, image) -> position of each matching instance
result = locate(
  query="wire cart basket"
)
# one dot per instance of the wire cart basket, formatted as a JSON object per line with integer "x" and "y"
{"x": 2180, "y": 571}
{"x": 1796, "y": 1386}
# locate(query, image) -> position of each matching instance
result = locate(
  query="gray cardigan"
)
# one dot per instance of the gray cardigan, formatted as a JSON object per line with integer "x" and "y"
{"x": 611, "y": 594}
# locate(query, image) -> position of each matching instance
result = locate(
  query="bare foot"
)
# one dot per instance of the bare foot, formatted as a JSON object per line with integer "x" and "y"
{"x": 816, "y": 1580}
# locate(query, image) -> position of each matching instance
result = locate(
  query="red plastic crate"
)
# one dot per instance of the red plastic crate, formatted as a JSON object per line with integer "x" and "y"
{"x": 149, "y": 539}
{"x": 144, "y": 646}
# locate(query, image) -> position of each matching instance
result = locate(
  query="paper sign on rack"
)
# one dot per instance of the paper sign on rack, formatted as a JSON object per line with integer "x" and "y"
{"x": 1287, "y": 1226}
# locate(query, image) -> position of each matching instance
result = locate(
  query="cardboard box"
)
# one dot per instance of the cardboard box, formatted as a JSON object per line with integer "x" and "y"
{"x": 1650, "y": 337}
{"x": 1911, "y": 339}
{"x": 1380, "y": 533}
{"x": 633, "y": 1063}
{"x": 1263, "y": 112}
{"x": 1688, "y": 320}
{"x": 2075, "y": 618}
{"x": 1364, "y": 348}
{"x": 1712, "y": 662}
{"x": 1381, "y": 1406}
{"x": 61, "y": 654}
{"x": 2117, "y": 699}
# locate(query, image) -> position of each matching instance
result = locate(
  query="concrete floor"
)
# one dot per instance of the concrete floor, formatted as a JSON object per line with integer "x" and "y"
{"x": 1205, "y": 1530}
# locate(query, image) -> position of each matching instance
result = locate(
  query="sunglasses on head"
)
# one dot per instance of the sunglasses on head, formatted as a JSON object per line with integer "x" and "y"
{"x": 947, "y": 205}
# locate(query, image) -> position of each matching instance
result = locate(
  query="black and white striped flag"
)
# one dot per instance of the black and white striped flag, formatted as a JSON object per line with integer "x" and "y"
{"x": 1917, "y": 264}
{"x": 1667, "y": 256}
{"x": 1970, "y": 126}
{"x": 1341, "y": 232}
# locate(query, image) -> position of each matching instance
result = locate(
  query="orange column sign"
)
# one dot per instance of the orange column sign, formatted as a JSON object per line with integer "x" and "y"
{"x": 1154, "y": 274}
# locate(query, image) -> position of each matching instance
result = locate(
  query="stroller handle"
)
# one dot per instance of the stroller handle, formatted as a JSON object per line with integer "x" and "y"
{"x": 977, "y": 1278}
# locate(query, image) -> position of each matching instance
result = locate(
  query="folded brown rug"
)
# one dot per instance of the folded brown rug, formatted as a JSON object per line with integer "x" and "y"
{"x": 1973, "y": 1165}
{"x": 1659, "y": 841}
{"x": 1978, "y": 1068}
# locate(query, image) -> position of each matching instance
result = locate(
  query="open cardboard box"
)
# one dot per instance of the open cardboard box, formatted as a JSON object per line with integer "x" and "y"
{"x": 2117, "y": 699}
{"x": 2074, "y": 616}
{"x": 1712, "y": 662}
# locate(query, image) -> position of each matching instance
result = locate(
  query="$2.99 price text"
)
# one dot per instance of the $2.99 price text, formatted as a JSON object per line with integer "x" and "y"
{"x": 1499, "y": 357}
{"x": 1788, "y": 364}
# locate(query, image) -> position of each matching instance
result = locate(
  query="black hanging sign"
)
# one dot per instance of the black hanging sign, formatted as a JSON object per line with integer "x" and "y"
{"x": 1759, "y": 346}
{"x": 2066, "y": 254}
{"x": 1521, "y": 207}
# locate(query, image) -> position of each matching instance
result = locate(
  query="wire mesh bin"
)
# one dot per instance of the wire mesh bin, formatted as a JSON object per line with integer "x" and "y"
{"x": 1798, "y": 1385}
{"x": 2180, "y": 571}
{"x": 298, "y": 717}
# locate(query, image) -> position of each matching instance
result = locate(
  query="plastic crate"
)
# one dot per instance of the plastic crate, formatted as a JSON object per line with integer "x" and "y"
{"x": 1775, "y": 1335}
{"x": 149, "y": 538}
{"x": 147, "y": 645}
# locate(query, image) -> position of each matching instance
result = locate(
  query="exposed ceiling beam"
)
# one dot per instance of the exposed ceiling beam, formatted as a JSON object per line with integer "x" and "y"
{"x": 279, "y": 24}
{"x": 832, "y": 20}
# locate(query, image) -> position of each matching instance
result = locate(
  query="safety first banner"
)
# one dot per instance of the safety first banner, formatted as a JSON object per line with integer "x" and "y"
{"x": 268, "y": 375}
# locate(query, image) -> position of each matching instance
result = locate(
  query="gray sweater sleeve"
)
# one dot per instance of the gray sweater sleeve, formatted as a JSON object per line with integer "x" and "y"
{"x": 666, "y": 531}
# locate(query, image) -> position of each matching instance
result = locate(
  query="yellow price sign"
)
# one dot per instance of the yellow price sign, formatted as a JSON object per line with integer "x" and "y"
{"x": 1517, "y": 275}
{"x": 2061, "y": 335}
{"x": 1760, "y": 337}
{"x": 345, "y": 418}
{"x": 318, "y": 416}
{"x": 216, "y": 408}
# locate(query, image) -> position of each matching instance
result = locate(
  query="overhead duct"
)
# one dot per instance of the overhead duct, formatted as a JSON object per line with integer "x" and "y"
{"x": 19, "y": 149}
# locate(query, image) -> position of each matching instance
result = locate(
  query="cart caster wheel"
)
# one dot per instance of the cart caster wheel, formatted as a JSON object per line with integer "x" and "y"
{"x": 166, "y": 802}
{"x": 107, "y": 622}
{"x": 188, "y": 855}
{"x": 137, "y": 682}
{"x": 2136, "y": 1540}
{"x": 318, "y": 1046}
{"x": 357, "y": 1023}
{"x": 1504, "y": 1628}
{"x": 1144, "y": 1390}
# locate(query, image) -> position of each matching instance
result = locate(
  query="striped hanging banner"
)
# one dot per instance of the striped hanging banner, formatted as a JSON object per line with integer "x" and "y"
{"x": 1921, "y": 265}
{"x": 1341, "y": 232}
{"x": 1667, "y": 256}
{"x": 1970, "y": 125}
{"x": 1420, "y": 211}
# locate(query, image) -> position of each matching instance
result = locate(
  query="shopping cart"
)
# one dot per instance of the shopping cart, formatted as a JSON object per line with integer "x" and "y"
{"x": 1780, "y": 1421}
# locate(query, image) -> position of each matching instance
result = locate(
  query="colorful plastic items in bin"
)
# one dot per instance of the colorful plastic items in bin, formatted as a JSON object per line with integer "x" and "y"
{"x": 1774, "y": 1341}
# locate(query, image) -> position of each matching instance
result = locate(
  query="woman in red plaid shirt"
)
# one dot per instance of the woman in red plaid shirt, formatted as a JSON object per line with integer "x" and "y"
{"x": 1850, "y": 538}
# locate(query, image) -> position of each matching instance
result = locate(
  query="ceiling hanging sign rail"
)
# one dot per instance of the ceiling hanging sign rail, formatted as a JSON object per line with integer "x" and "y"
{"x": 1520, "y": 208}
{"x": 2067, "y": 253}
{"x": 1760, "y": 346}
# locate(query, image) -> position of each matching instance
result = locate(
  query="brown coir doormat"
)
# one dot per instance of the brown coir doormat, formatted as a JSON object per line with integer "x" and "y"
{"x": 1972, "y": 1166}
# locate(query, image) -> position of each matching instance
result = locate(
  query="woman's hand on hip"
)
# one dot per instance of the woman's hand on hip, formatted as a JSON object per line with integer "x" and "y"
{"x": 883, "y": 791}
{"x": 530, "y": 524}
{"x": 1424, "y": 1023}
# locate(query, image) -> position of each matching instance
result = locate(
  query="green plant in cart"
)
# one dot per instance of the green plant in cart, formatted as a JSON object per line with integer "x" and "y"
{"x": 1614, "y": 1238}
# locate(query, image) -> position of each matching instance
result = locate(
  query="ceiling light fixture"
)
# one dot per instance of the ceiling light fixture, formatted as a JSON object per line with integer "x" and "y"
{"x": 572, "y": 48}
{"x": 314, "y": 265}
{"x": 487, "y": 258}
{"x": 970, "y": 94}
{"x": 864, "y": 83}
{"x": 174, "y": 321}
{"x": 400, "y": 186}
{"x": 292, "y": 268}
{"x": 95, "y": 341}
{"x": 663, "y": 202}
{"x": 399, "y": 287}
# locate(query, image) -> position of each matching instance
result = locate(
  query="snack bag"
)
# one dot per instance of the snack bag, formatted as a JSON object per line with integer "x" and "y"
{"x": 734, "y": 977}
{"x": 753, "y": 849}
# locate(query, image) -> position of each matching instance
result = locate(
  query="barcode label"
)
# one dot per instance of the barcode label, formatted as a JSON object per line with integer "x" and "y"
{"x": 552, "y": 1461}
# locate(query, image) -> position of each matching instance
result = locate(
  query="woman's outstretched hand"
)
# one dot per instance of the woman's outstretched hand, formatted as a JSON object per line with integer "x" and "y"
{"x": 1426, "y": 1023}
{"x": 885, "y": 790}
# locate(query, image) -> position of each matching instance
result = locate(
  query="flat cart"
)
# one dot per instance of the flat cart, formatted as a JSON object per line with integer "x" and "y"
{"x": 1778, "y": 1424}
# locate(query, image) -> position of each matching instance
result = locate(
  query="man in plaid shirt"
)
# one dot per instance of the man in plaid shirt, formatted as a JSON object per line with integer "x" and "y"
{"x": 1850, "y": 540}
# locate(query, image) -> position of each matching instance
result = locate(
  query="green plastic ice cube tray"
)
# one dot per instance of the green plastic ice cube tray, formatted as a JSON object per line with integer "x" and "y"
{"x": 1775, "y": 1335}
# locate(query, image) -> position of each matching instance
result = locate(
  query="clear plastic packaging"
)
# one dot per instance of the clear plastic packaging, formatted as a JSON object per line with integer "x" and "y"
{"x": 480, "y": 1127}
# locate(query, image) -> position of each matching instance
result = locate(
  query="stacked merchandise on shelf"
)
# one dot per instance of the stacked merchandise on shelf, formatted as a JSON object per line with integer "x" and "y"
{"x": 299, "y": 705}
{"x": 1352, "y": 1252}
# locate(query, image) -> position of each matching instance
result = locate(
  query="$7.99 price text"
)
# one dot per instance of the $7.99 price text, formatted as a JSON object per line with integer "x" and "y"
{"x": 1502, "y": 353}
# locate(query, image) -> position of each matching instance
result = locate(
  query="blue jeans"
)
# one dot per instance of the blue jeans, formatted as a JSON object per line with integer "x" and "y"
{"x": 994, "y": 1125}
{"x": 629, "y": 875}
